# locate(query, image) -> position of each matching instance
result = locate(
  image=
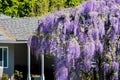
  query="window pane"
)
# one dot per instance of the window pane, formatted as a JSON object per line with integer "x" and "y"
{"x": 0, "y": 56}
{"x": 5, "y": 57}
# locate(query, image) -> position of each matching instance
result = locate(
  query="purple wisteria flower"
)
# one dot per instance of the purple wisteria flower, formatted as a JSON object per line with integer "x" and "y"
{"x": 99, "y": 46}
{"x": 87, "y": 65}
{"x": 115, "y": 66}
{"x": 106, "y": 67}
{"x": 70, "y": 61}
{"x": 62, "y": 73}
{"x": 114, "y": 22}
{"x": 89, "y": 49}
{"x": 74, "y": 48}
{"x": 34, "y": 41}
{"x": 89, "y": 6}
{"x": 79, "y": 35}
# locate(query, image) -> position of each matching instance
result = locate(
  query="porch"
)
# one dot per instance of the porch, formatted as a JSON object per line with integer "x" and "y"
{"x": 21, "y": 63}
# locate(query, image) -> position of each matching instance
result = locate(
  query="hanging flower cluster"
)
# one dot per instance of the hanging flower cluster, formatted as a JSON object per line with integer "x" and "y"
{"x": 81, "y": 36}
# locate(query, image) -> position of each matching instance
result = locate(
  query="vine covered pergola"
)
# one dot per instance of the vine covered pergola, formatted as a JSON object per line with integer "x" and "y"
{"x": 85, "y": 40}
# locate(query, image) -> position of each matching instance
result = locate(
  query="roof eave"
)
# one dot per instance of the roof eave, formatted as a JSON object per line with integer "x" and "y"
{"x": 12, "y": 42}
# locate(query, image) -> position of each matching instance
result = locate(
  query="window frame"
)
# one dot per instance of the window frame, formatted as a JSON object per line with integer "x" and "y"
{"x": 3, "y": 56}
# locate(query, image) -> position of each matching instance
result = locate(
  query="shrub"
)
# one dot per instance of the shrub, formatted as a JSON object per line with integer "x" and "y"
{"x": 4, "y": 77}
{"x": 18, "y": 75}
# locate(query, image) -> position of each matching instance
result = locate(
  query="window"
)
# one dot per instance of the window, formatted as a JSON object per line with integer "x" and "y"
{"x": 4, "y": 57}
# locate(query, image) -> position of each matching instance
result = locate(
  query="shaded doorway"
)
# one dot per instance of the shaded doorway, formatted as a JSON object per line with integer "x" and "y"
{"x": 49, "y": 66}
{"x": 20, "y": 59}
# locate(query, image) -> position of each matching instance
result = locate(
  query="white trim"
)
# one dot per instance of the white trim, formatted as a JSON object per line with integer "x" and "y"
{"x": 2, "y": 64}
{"x": 29, "y": 72}
{"x": 42, "y": 66}
{"x": 7, "y": 41}
{"x": 3, "y": 56}
{"x": 7, "y": 57}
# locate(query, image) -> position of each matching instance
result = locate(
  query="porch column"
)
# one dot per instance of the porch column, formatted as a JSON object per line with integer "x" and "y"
{"x": 29, "y": 74}
{"x": 42, "y": 66}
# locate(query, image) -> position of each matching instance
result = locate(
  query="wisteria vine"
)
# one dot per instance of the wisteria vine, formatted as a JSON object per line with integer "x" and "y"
{"x": 85, "y": 40}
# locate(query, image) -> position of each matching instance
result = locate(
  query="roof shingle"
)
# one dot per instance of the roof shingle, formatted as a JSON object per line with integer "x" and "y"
{"x": 20, "y": 28}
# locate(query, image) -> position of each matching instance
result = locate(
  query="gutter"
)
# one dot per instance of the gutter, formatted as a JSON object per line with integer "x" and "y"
{"x": 12, "y": 41}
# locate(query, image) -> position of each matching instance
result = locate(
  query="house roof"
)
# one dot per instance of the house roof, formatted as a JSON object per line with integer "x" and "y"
{"x": 4, "y": 35}
{"x": 19, "y": 28}
{"x": 2, "y": 16}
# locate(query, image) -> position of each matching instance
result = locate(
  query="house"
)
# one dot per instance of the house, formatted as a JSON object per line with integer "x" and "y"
{"x": 14, "y": 33}
{"x": 2, "y": 16}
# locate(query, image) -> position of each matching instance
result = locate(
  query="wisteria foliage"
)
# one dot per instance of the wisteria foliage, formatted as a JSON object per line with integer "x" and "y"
{"x": 81, "y": 36}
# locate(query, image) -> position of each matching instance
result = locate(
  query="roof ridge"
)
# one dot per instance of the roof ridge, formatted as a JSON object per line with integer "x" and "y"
{"x": 17, "y": 18}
